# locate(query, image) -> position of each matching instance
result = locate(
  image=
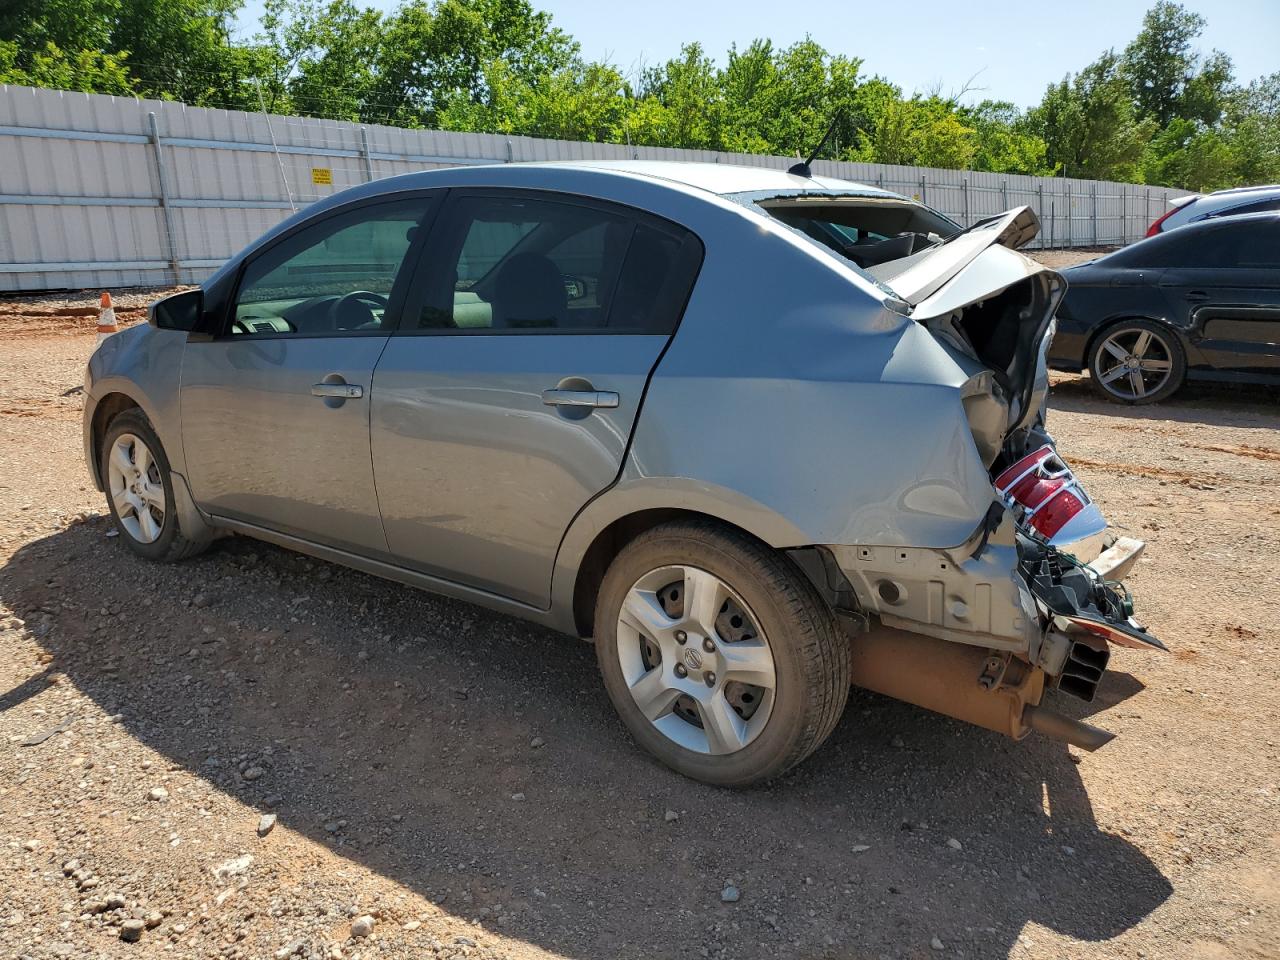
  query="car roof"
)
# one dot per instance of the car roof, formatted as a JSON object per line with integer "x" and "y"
{"x": 724, "y": 178}
{"x": 1236, "y": 190}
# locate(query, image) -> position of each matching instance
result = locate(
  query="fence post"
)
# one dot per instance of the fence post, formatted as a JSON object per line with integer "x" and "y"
{"x": 1040, "y": 210}
{"x": 924, "y": 195}
{"x": 1124, "y": 216}
{"x": 1146, "y": 206}
{"x": 1070, "y": 233}
{"x": 1093, "y": 194}
{"x": 364, "y": 155}
{"x": 166, "y": 211}
{"x": 964, "y": 189}
{"x": 1004, "y": 195}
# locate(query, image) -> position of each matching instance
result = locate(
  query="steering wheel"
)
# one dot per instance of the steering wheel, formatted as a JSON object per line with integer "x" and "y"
{"x": 356, "y": 299}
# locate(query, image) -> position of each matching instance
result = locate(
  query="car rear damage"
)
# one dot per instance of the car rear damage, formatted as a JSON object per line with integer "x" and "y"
{"x": 1033, "y": 599}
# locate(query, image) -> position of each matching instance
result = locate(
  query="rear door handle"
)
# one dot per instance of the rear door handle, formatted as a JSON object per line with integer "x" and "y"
{"x": 580, "y": 398}
{"x": 1197, "y": 296}
{"x": 341, "y": 391}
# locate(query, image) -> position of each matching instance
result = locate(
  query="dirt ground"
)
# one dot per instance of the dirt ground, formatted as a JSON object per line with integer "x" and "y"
{"x": 459, "y": 777}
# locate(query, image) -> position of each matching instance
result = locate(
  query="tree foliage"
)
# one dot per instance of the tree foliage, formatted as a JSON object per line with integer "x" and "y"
{"x": 1159, "y": 111}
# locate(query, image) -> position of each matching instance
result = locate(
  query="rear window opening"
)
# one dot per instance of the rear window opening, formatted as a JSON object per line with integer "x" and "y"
{"x": 867, "y": 231}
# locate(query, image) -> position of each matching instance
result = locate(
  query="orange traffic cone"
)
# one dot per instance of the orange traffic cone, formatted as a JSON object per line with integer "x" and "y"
{"x": 106, "y": 318}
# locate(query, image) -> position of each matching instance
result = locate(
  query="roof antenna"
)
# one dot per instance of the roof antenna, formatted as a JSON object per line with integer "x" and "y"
{"x": 802, "y": 169}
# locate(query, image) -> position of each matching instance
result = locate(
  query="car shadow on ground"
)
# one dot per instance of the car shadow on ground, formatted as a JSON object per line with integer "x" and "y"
{"x": 1220, "y": 404}
{"x": 398, "y": 728}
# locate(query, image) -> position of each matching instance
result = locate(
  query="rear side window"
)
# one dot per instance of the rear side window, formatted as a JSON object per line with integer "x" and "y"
{"x": 334, "y": 277}
{"x": 1210, "y": 244}
{"x": 529, "y": 264}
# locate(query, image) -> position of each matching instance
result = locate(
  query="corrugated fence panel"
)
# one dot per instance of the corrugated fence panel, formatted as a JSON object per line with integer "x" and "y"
{"x": 99, "y": 191}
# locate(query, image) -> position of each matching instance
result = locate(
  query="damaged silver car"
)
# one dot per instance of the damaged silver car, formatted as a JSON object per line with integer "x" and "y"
{"x": 760, "y": 435}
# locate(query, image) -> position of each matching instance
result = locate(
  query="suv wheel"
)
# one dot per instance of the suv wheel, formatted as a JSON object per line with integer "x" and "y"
{"x": 139, "y": 487}
{"x": 1137, "y": 361}
{"x": 718, "y": 653}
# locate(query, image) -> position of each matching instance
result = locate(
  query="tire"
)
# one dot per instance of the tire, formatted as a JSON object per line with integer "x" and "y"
{"x": 767, "y": 603}
{"x": 144, "y": 528}
{"x": 1162, "y": 366}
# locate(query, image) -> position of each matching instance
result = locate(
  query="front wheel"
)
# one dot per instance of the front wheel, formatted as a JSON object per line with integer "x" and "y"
{"x": 139, "y": 487}
{"x": 718, "y": 654}
{"x": 1137, "y": 361}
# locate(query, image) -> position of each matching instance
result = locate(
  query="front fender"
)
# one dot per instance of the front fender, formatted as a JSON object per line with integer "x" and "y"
{"x": 144, "y": 365}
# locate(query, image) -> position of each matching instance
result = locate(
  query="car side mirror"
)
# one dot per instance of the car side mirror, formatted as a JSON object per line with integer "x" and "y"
{"x": 180, "y": 311}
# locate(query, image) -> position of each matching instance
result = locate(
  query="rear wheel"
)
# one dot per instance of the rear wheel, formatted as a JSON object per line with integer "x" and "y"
{"x": 718, "y": 654}
{"x": 139, "y": 487}
{"x": 1137, "y": 361}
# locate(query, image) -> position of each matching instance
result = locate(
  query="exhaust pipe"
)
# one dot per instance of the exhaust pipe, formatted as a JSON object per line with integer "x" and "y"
{"x": 1057, "y": 727}
{"x": 966, "y": 682}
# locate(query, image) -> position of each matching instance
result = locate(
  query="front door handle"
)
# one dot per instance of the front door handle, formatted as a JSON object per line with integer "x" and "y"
{"x": 580, "y": 398}
{"x": 339, "y": 391}
{"x": 1197, "y": 296}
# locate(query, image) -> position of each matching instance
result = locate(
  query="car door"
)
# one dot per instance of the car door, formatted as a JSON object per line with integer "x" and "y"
{"x": 506, "y": 400}
{"x": 275, "y": 407}
{"x": 1229, "y": 283}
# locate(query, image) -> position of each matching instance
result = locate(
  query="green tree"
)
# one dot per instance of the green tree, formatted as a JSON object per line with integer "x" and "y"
{"x": 1089, "y": 124}
{"x": 1005, "y": 143}
{"x": 86, "y": 71}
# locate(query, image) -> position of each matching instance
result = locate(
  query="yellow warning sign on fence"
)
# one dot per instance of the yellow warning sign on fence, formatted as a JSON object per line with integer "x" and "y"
{"x": 322, "y": 175}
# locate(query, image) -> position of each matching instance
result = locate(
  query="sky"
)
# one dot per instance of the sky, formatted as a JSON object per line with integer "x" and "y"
{"x": 1012, "y": 51}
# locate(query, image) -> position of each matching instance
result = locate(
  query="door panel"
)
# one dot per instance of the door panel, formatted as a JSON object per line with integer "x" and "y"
{"x": 1228, "y": 281}
{"x": 506, "y": 401}
{"x": 477, "y": 477}
{"x": 261, "y": 448}
{"x": 275, "y": 408}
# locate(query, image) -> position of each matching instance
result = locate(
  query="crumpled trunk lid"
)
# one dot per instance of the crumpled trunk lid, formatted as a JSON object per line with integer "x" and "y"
{"x": 918, "y": 277}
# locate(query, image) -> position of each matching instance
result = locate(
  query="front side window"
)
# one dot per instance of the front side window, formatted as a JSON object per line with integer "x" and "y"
{"x": 526, "y": 265}
{"x": 335, "y": 277}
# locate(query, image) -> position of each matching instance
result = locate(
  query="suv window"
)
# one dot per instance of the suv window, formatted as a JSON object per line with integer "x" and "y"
{"x": 334, "y": 277}
{"x": 524, "y": 264}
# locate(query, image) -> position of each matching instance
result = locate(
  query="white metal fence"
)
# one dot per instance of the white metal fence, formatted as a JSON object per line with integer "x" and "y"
{"x": 100, "y": 191}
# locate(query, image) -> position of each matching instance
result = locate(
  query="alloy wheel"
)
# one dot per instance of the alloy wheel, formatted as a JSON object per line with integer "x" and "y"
{"x": 136, "y": 488}
{"x": 1133, "y": 363}
{"x": 695, "y": 661}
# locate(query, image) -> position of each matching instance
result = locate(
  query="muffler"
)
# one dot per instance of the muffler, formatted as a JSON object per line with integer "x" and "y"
{"x": 956, "y": 679}
{"x": 979, "y": 686}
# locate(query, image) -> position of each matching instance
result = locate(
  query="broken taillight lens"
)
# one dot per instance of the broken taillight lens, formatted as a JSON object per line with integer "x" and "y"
{"x": 1044, "y": 488}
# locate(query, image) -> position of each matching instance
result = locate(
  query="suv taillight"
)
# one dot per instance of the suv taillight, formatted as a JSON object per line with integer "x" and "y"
{"x": 1155, "y": 226}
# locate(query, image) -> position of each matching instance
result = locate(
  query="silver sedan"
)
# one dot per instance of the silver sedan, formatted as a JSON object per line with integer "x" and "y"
{"x": 759, "y": 435}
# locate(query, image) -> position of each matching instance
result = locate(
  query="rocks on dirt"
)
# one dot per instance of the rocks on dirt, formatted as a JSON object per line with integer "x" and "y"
{"x": 362, "y": 926}
{"x": 235, "y": 867}
{"x": 730, "y": 894}
{"x": 266, "y": 823}
{"x": 158, "y": 794}
{"x": 671, "y": 816}
{"x": 936, "y": 944}
{"x": 131, "y": 930}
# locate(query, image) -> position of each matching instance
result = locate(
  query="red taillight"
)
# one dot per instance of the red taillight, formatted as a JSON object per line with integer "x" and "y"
{"x": 1155, "y": 226}
{"x": 1044, "y": 488}
{"x": 1054, "y": 515}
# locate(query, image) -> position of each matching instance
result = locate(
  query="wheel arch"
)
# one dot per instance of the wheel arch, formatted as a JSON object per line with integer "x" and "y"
{"x": 616, "y": 518}
{"x": 107, "y": 408}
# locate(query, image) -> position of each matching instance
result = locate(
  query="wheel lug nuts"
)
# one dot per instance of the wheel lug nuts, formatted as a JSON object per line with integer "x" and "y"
{"x": 708, "y": 645}
{"x": 711, "y": 679}
{"x": 681, "y": 671}
{"x": 681, "y": 636}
